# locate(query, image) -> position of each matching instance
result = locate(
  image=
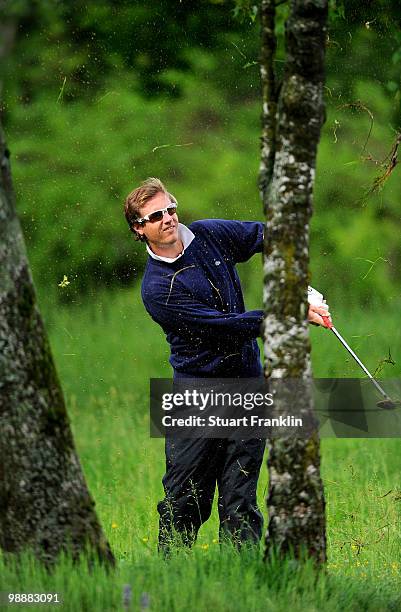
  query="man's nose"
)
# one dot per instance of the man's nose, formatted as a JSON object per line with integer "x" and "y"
{"x": 166, "y": 214}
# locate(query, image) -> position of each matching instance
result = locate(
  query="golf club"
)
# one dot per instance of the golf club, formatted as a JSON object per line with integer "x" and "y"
{"x": 387, "y": 403}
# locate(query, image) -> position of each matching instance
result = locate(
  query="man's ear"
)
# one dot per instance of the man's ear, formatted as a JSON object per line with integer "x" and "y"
{"x": 138, "y": 227}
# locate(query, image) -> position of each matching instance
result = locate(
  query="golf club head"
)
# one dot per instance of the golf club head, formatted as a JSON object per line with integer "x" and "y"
{"x": 388, "y": 404}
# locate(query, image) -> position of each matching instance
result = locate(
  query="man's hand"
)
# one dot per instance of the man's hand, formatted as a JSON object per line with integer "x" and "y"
{"x": 314, "y": 314}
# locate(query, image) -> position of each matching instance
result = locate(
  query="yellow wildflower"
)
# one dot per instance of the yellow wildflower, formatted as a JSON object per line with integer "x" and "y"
{"x": 114, "y": 525}
{"x": 64, "y": 282}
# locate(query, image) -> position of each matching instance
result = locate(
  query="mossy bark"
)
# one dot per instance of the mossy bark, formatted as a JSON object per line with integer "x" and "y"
{"x": 289, "y": 144}
{"x": 269, "y": 95}
{"x": 45, "y": 505}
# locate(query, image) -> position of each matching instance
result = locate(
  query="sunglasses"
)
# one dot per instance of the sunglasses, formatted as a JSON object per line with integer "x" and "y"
{"x": 158, "y": 215}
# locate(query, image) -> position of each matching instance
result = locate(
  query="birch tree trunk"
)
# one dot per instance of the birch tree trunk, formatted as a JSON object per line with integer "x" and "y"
{"x": 291, "y": 122}
{"x": 45, "y": 505}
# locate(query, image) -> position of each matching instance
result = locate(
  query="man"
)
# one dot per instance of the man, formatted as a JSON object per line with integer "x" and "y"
{"x": 192, "y": 290}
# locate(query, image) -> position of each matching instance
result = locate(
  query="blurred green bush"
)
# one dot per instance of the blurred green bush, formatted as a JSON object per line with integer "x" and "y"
{"x": 98, "y": 96}
{"x": 74, "y": 163}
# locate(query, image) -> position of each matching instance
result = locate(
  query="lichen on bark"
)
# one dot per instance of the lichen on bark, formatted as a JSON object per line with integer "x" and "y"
{"x": 291, "y": 126}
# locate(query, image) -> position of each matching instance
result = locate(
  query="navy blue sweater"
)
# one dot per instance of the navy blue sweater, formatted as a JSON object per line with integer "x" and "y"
{"x": 198, "y": 301}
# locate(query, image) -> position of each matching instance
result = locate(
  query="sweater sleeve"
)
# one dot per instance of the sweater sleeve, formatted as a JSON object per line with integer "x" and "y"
{"x": 239, "y": 239}
{"x": 190, "y": 319}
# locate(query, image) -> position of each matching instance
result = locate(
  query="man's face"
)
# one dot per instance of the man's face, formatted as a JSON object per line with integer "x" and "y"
{"x": 161, "y": 233}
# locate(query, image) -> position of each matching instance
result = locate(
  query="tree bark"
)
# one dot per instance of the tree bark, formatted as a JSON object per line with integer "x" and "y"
{"x": 45, "y": 505}
{"x": 289, "y": 145}
{"x": 269, "y": 96}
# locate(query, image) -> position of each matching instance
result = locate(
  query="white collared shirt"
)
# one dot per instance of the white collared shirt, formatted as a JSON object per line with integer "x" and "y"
{"x": 186, "y": 237}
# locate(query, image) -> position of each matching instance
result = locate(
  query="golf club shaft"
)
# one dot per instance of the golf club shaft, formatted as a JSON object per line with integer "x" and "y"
{"x": 359, "y": 362}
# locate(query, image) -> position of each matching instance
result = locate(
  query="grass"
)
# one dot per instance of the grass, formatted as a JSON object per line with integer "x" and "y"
{"x": 106, "y": 351}
{"x": 214, "y": 578}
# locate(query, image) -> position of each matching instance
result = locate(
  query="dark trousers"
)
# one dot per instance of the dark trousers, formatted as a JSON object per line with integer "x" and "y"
{"x": 193, "y": 467}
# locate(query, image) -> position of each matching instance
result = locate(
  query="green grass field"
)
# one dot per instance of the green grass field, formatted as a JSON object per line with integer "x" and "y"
{"x": 106, "y": 351}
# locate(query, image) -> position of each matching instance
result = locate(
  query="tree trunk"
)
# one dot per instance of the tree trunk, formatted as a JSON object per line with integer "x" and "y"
{"x": 45, "y": 505}
{"x": 291, "y": 132}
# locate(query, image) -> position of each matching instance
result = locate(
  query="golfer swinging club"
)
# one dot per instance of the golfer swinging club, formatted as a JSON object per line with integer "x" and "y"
{"x": 192, "y": 290}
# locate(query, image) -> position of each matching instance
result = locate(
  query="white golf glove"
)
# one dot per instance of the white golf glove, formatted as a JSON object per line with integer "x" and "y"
{"x": 316, "y": 299}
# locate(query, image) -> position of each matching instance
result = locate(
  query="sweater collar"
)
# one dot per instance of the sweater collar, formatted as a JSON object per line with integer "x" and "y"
{"x": 186, "y": 237}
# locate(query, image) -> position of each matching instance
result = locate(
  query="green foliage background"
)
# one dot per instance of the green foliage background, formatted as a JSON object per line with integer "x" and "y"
{"x": 98, "y": 95}
{"x": 74, "y": 169}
